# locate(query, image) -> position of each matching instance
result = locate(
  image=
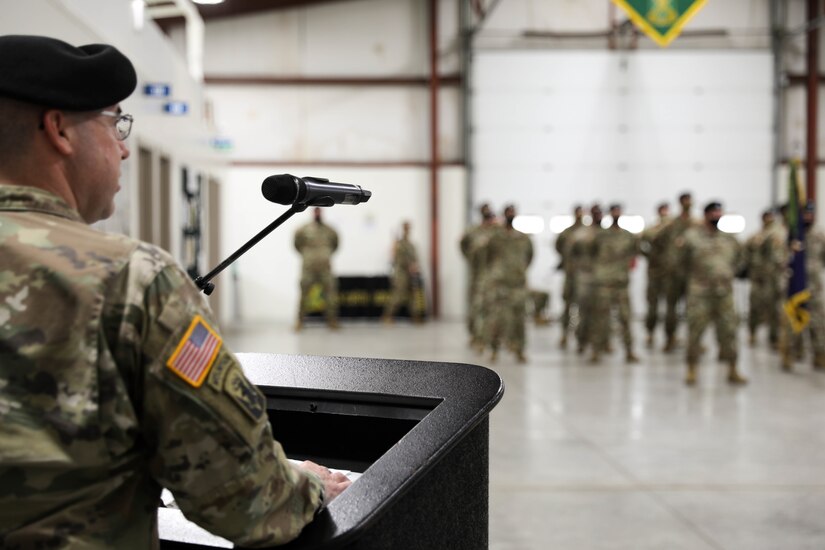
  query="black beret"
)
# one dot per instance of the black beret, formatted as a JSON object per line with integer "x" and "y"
{"x": 49, "y": 72}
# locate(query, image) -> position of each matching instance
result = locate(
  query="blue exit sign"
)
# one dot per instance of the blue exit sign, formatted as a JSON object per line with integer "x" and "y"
{"x": 157, "y": 90}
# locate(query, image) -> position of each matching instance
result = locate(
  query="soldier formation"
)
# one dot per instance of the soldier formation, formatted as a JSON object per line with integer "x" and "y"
{"x": 498, "y": 255}
{"x": 691, "y": 266}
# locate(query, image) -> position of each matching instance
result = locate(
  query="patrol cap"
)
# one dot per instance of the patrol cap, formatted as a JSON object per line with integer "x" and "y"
{"x": 49, "y": 72}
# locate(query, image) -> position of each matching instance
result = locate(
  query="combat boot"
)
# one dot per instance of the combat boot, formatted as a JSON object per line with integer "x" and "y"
{"x": 819, "y": 362}
{"x": 631, "y": 358}
{"x": 333, "y": 324}
{"x": 670, "y": 345}
{"x": 494, "y": 355}
{"x": 752, "y": 339}
{"x": 650, "y": 340}
{"x": 734, "y": 377}
{"x": 563, "y": 341}
{"x": 690, "y": 377}
{"x": 521, "y": 358}
{"x": 596, "y": 357}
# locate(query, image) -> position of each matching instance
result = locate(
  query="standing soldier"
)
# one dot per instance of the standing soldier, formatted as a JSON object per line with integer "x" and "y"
{"x": 406, "y": 279}
{"x": 472, "y": 242}
{"x": 614, "y": 251}
{"x": 671, "y": 240}
{"x": 656, "y": 275}
{"x": 765, "y": 257}
{"x": 711, "y": 259}
{"x": 316, "y": 243}
{"x": 508, "y": 255}
{"x": 814, "y": 247}
{"x": 564, "y": 243}
{"x": 581, "y": 253}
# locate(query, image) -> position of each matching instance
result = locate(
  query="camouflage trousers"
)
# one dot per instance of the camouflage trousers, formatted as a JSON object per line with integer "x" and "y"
{"x": 403, "y": 291}
{"x": 475, "y": 311}
{"x": 765, "y": 306}
{"x": 656, "y": 291}
{"x": 585, "y": 301}
{"x": 312, "y": 300}
{"x": 705, "y": 306}
{"x": 504, "y": 313}
{"x": 606, "y": 300}
{"x": 568, "y": 295}
{"x": 539, "y": 302}
{"x": 676, "y": 288}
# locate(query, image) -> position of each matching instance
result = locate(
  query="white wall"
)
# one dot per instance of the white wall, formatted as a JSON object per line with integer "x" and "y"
{"x": 320, "y": 130}
{"x": 269, "y": 273}
{"x": 557, "y": 128}
{"x": 185, "y": 140}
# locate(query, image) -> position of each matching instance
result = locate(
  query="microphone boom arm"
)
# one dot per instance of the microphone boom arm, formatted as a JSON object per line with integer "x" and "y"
{"x": 202, "y": 282}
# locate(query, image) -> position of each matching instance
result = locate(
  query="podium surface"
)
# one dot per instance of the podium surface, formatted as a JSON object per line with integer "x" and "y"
{"x": 417, "y": 430}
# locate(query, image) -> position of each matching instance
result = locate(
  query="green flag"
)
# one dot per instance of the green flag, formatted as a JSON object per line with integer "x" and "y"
{"x": 661, "y": 20}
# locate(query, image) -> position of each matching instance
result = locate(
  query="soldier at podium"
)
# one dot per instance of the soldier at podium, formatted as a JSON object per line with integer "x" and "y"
{"x": 114, "y": 381}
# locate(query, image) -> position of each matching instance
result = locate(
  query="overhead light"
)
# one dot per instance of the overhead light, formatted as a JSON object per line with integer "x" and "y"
{"x": 138, "y": 14}
{"x": 560, "y": 223}
{"x": 532, "y": 225}
{"x": 208, "y": 1}
{"x": 634, "y": 224}
{"x": 732, "y": 223}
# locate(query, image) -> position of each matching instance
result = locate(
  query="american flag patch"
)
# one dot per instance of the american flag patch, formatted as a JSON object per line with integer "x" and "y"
{"x": 195, "y": 353}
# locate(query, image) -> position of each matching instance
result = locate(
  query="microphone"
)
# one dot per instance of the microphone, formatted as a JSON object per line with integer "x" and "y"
{"x": 288, "y": 189}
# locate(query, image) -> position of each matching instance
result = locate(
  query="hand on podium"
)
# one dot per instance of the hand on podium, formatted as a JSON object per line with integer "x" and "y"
{"x": 334, "y": 482}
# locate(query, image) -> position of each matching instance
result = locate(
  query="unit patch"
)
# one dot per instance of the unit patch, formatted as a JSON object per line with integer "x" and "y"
{"x": 245, "y": 395}
{"x": 195, "y": 353}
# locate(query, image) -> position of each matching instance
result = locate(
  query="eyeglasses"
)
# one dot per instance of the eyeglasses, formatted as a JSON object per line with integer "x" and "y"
{"x": 123, "y": 123}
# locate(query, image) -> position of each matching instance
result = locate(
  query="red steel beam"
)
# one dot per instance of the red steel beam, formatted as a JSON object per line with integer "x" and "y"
{"x": 251, "y": 80}
{"x": 812, "y": 103}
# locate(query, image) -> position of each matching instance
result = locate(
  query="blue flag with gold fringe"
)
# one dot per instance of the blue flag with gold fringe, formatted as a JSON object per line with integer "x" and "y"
{"x": 798, "y": 293}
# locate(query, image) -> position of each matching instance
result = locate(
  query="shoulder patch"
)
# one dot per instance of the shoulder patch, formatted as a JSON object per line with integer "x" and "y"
{"x": 245, "y": 395}
{"x": 195, "y": 353}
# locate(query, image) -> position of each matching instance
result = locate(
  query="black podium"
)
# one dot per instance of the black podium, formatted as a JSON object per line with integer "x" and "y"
{"x": 418, "y": 431}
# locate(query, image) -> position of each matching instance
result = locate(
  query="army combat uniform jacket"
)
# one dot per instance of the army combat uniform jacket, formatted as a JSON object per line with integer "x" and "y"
{"x": 113, "y": 383}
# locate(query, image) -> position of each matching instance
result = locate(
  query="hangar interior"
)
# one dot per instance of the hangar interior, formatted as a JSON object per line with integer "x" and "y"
{"x": 439, "y": 105}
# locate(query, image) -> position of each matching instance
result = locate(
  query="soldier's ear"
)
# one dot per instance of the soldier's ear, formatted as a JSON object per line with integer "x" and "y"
{"x": 55, "y": 126}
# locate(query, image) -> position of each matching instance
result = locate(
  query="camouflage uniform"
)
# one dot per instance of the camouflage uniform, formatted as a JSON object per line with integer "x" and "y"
{"x": 316, "y": 243}
{"x": 473, "y": 243}
{"x": 614, "y": 250}
{"x": 671, "y": 240}
{"x": 656, "y": 273}
{"x": 814, "y": 262}
{"x": 711, "y": 261}
{"x": 404, "y": 269}
{"x": 507, "y": 256}
{"x": 564, "y": 243}
{"x": 814, "y": 267}
{"x": 765, "y": 258}
{"x": 94, "y": 420}
{"x": 581, "y": 253}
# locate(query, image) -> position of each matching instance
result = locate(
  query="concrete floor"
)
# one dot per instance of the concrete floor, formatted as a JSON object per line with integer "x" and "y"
{"x": 619, "y": 456}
